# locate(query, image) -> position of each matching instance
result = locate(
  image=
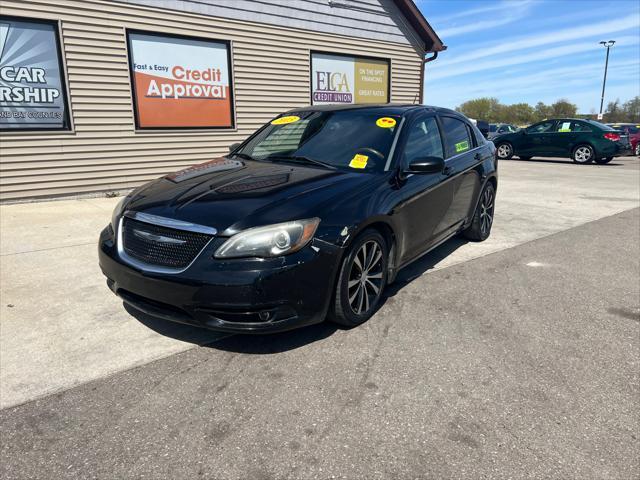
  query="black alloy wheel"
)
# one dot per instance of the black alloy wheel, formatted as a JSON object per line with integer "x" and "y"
{"x": 480, "y": 227}
{"x": 361, "y": 281}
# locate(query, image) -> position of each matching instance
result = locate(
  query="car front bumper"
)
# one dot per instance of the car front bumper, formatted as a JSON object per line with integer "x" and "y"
{"x": 236, "y": 295}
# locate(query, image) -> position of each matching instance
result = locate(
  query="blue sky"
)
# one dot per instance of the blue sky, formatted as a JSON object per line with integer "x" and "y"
{"x": 533, "y": 50}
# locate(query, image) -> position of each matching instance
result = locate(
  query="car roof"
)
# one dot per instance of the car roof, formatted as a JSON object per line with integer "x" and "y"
{"x": 382, "y": 108}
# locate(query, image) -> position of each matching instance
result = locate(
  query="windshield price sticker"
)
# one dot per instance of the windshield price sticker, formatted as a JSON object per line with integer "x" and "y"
{"x": 285, "y": 120}
{"x": 386, "y": 122}
{"x": 359, "y": 161}
{"x": 462, "y": 146}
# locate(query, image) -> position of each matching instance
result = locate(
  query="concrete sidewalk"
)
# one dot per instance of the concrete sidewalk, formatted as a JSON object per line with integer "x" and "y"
{"x": 60, "y": 326}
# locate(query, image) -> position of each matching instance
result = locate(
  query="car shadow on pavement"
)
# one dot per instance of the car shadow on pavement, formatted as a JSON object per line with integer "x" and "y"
{"x": 250, "y": 344}
{"x": 423, "y": 265}
{"x": 285, "y": 341}
{"x": 567, "y": 161}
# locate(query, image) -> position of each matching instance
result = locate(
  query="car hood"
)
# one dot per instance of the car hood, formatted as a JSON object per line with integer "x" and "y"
{"x": 232, "y": 195}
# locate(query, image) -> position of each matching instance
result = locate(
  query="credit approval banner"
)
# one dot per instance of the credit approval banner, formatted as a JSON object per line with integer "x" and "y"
{"x": 180, "y": 82}
{"x": 346, "y": 79}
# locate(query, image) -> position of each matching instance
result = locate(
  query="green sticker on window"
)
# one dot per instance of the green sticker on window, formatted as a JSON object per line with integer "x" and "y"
{"x": 462, "y": 146}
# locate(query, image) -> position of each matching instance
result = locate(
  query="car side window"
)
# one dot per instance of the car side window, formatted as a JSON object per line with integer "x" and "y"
{"x": 542, "y": 127}
{"x": 456, "y": 135}
{"x": 580, "y": 127}
{"x": 564, "y": 126}
{"x": 424, "y": 140}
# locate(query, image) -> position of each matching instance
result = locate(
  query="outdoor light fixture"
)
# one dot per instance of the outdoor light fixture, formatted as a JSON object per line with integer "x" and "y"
{"x": 607, "y": 45}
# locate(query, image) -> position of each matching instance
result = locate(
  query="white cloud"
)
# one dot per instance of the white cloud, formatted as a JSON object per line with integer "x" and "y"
{"x": 446, "y": 71}
{"x": 508, "y": 13}
{"x": 538, "y": 39}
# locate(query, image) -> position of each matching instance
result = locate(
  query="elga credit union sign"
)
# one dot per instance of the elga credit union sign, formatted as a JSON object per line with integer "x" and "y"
{"x": 345, "y": 79}
{"x": 32, "y": 93}
{"x": 180, "y": 82}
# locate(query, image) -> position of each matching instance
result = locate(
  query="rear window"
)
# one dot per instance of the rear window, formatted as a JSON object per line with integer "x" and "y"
{"x": 601, "y": 126}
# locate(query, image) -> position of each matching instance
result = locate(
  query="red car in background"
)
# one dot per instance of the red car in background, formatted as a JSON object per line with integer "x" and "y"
{"x": 633, "y": 131}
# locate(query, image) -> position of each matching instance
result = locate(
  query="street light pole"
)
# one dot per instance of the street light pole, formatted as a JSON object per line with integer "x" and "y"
{"x": 607, "y": 45}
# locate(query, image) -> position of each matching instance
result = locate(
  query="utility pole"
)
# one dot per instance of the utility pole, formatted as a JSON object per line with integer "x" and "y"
{"x": 607, "y": 45}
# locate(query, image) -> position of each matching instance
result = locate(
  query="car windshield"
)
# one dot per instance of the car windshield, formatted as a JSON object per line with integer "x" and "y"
{"x": 346, "y": 139}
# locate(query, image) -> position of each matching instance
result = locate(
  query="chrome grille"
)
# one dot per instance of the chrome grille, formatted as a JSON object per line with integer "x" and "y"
{"x": 161, "y": 246}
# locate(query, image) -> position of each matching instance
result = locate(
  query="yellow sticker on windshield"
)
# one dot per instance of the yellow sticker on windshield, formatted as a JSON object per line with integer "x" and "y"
{"x": 386, "y": 122}
{"x": 462, "y": 146}
{"x": 358, "y": 161}
{"x": 285, "y": 120}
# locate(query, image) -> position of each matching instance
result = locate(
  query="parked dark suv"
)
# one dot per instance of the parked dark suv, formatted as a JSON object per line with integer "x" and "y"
{"x": 584, "y": 141}
{"x": 313, "y": 214}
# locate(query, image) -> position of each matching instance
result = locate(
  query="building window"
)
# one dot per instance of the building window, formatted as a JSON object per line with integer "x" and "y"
{"x": 180, "y": 82}
{"x": 348, "y": 79}
{"x": 32, "y": 87}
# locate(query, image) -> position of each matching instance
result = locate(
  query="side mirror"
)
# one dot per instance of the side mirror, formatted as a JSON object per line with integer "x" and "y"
{"x": 426, "y": 165}
{"x": 234, "y": 146}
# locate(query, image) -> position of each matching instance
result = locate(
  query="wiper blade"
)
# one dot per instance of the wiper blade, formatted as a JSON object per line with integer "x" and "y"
{"x": 300, "y": 159}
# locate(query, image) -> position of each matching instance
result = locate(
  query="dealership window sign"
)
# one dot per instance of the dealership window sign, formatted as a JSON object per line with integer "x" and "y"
{"x": 348, "y": 79}
{"x": 180, "y": 82}
{"x": 32, "y": 90}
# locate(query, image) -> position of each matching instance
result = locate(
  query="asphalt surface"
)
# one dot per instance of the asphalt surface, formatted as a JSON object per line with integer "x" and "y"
{"x": 62, "y": 327}
{"x": 521, "y": 364}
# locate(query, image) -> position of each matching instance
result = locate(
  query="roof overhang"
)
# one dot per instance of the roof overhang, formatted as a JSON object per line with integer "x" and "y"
{"x": 415, "y": 18}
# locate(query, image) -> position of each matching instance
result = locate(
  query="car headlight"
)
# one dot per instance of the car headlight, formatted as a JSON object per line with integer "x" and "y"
{"x": 269, "y": 241}
{"x": 117, "y": 212}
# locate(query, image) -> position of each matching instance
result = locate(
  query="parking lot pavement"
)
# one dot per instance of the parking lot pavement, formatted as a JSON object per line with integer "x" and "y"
{"x": 60, "y": 326}
{"x": 520, "y": 364}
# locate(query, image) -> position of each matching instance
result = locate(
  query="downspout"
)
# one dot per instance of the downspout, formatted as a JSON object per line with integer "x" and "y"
{"x": 424, "y": 67}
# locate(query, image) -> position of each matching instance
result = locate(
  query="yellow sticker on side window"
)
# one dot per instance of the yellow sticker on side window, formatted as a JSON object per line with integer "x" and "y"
{"x": 285, "y": 120}
{"x": 386, "y": 122}
{"x": 462, "y": 146}
{"x": 358, "y": 161}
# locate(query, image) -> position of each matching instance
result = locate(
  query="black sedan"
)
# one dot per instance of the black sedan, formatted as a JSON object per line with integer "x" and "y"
{"x": 312, "y": 216}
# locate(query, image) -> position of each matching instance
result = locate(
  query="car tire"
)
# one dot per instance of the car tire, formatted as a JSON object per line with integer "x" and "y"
{"x": 356, "y": 300}
{"x": 583, "y": 154}
{"x": 638, "y": 149}
{"x": 524, "y": 158}
{"x": 603, "y": 161}
{"x": 480, "y": 227}
{"x": 504, "y": 151}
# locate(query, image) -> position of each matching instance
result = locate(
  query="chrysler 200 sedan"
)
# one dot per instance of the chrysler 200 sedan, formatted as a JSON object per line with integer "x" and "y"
{"x": 310, "y": 217}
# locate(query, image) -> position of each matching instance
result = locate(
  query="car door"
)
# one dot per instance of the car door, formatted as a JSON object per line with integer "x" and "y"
{"x": 563, "y": 139}
{"x": 536, "y": 140}
{"x": 423, "y": 199}
{"x": 462, "y": 155}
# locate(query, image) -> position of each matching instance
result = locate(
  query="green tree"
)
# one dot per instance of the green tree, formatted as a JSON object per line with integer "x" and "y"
{"x": 614, "y": 112}
{"x": 564, "y": 108}
{"x": 541, "y": 111}
{"x": 481, "y": 108}
{"x": 519, "y": 114}
{"x": 631, "y": 110}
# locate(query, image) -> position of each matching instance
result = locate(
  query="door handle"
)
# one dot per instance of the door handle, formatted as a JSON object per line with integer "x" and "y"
{"x": 448, "y": 171}
{"x": 478, "y": 157}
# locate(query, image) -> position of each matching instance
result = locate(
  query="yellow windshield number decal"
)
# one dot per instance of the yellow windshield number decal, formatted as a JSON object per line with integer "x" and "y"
{"x": 462, "y": 146}
{"x": 358, "y": 161}
{"x": 285, "y": 120}
{"x": 386, "y": 122}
